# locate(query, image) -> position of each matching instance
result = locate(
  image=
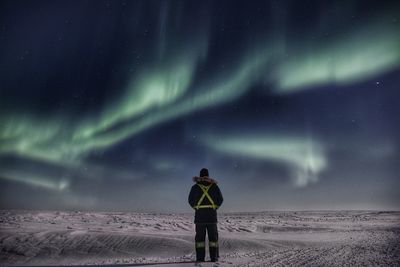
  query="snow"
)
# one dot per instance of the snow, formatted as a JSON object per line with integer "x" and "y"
{"x": 307, "y": 238}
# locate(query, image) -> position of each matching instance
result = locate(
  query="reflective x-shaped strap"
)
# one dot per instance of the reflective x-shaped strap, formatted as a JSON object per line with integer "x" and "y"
{"x": 205, "y": 194}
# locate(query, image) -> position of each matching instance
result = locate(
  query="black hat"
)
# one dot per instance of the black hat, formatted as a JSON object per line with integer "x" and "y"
{"x": 204, "y": 172}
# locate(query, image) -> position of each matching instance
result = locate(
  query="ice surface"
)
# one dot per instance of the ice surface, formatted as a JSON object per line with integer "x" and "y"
{"x": 309, "y": 238}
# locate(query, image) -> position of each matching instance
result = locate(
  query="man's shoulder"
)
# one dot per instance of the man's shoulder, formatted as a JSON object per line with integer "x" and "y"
{"x": 194, "y": 186}
{"x": 216, "y": 187}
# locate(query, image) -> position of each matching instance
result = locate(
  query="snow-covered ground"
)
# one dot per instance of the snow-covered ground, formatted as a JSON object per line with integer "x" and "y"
{"x": 308, "y": 238}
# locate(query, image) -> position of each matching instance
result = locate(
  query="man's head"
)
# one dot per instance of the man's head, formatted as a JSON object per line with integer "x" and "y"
{"x": 203, "y": 172}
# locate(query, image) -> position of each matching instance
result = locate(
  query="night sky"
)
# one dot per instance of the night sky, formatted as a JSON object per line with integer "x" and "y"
{"x": 116, "y": 105}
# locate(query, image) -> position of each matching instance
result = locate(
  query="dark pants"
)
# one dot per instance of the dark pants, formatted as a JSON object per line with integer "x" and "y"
{"x": 200, "y": 239}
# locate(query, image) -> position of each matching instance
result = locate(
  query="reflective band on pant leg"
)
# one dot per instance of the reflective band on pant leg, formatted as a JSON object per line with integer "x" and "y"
{"x": 200, "y": 244}
{"x": 213, "y": 244}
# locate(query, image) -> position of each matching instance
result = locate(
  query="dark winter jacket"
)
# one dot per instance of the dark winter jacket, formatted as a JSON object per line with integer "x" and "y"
{"x": 205, "y": 215}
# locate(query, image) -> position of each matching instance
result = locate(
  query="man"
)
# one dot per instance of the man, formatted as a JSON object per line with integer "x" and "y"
{"x": 205, "y": 197}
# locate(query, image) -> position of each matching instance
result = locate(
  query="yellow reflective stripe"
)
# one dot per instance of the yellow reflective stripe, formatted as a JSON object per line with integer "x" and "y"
{"x": 201, "y": 198}
{"x": 206, "y": 206}
{"x": 200, "y": 244}
{"x": 210, "y": 199}
{"x": 205, "y": 194}
{"x": 213, "y": 244}
{"x": 205, "y": 190}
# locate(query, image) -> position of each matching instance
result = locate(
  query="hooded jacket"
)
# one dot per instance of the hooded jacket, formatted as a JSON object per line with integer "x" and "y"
{"x": 205, "y": 215}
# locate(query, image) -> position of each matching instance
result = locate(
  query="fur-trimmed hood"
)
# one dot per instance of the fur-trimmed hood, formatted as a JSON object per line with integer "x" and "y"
{"x": 207, "y": 179}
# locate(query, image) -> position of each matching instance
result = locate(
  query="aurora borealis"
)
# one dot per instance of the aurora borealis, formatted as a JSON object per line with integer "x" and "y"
{"x": 291, "y": 105}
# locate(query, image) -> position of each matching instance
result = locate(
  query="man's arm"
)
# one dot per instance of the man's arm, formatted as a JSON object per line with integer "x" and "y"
{"x": 218, "y": 196}
{"x": 191, "y": 198}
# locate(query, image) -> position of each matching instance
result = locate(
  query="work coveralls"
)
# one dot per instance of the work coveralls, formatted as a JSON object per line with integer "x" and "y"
{"x": 205, "y": 198}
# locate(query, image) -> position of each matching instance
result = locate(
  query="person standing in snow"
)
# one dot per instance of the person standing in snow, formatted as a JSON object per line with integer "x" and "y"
{"x": 205, "y": 197}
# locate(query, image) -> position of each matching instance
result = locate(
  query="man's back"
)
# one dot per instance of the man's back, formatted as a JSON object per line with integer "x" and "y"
{"x": 205, "y": 215}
